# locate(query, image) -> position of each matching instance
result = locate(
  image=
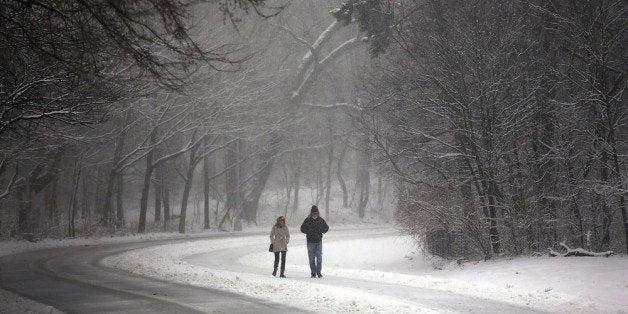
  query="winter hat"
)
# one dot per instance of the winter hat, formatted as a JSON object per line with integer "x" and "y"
{"x": 314, "y": 209}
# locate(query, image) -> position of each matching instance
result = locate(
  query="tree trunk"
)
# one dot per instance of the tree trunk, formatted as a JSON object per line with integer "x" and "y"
{"x": 158, "y": 193}
{"x": 330, "y": 161}
{"x": 288, "y": 187}
{"x": 206, "y": 185}
{"x": 252, "y": 198}
{"x": 364, "y": 179}
{"x": 148, "y": 174}
{"x": 189, "y": 178}
{"x": 119, "y": 201}
{"x": 107, "y": 212}
{"x": 25, "y": 214}
{"x": 141, "y": 227}
{"x": 365, "y": 184}
{"x": 238, "y": 210}
{"x": 35, "y": 182}
{"x": 607, "y": 217}
{"x": 620, "y": 186}
{"x": 108, "y": 216}
{"x": 343, "y": 185}
{"x": 165, "y": 190}
{"x": 72, "y": 206}
{"x": 51, "y": 203}
{"x": 231, "y": 184}
{"x": 380, "y": 191}
{"x": 258, "y": 183}
{"x": 575, "y": 209}
{"x": 297, "y": 182}
{"x": 494, "y": 233}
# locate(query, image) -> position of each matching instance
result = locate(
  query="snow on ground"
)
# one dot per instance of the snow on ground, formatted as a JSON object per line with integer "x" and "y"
{"x": 571, "y": 284}
{"x": 167, "y": 262}
{"x": 592, "y": 284}
{"x": 560, "y": 284}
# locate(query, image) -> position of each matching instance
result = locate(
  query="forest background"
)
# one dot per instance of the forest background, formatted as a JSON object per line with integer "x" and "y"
{"x": 495, "y": 128}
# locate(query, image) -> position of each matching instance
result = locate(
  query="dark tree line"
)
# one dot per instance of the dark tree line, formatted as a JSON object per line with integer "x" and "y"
{"x": 505, "y": 124}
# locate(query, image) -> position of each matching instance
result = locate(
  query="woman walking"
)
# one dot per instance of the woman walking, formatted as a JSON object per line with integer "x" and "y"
{"x": 279, "y": 237}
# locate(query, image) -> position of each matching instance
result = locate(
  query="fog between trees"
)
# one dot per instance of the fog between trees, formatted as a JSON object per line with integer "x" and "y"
{"x": 501, "y": 126}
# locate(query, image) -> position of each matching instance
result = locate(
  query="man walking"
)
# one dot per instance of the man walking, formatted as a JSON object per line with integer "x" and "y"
{"x": 314, "y": 226}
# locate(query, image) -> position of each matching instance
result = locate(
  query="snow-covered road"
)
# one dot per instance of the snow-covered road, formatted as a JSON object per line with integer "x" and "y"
{"x": 339, "y": 288}
{"x": 366, "y": 269}
{"x": 242, "y": 266}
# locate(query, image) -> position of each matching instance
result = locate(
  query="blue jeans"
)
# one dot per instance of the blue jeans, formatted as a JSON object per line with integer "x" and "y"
{"x": 315, "y": 253}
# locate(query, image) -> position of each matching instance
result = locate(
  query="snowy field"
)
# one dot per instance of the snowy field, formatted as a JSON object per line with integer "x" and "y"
{"x": 352, "y": 263}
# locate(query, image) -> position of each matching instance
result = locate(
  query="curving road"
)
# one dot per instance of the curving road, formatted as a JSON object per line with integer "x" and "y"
{"x": 74, "y": 280}
{"x": 226, "y": 259}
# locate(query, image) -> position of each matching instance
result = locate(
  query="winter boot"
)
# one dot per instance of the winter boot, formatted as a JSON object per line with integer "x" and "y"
{"x": 275, "y": 272}
{"x": 319, "y": 275}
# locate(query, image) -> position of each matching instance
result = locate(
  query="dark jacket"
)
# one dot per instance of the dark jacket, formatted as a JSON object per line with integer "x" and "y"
{"x": 314, "y": 229}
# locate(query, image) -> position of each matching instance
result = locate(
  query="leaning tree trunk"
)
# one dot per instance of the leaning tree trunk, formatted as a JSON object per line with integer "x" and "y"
{"x": 252, "y": 198}
{"x": 263, "y": 170}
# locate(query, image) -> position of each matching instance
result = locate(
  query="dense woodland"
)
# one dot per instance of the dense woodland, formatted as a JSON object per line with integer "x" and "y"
{"x": 506, "y": 124}
{"x": 501, "y": 126}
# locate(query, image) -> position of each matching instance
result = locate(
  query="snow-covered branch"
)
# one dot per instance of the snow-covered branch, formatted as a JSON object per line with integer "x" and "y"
{"x": 310, "y": 77}
{"x": 333, "y": 106}
{"x": 12, "y": 181}
{"x": 296, "y": 37}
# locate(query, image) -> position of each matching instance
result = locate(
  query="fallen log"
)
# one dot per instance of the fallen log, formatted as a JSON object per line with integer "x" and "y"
{"x": 577, "y": 252}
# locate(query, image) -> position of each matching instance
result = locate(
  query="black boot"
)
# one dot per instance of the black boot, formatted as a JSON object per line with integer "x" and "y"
{"x": 275, "y": 272}
{"x": 282, "y": 275}
{"x": 319, "y": 275}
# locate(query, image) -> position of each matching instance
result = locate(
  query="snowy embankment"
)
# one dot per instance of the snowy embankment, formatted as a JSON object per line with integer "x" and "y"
{"x": 560, "y": 284}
